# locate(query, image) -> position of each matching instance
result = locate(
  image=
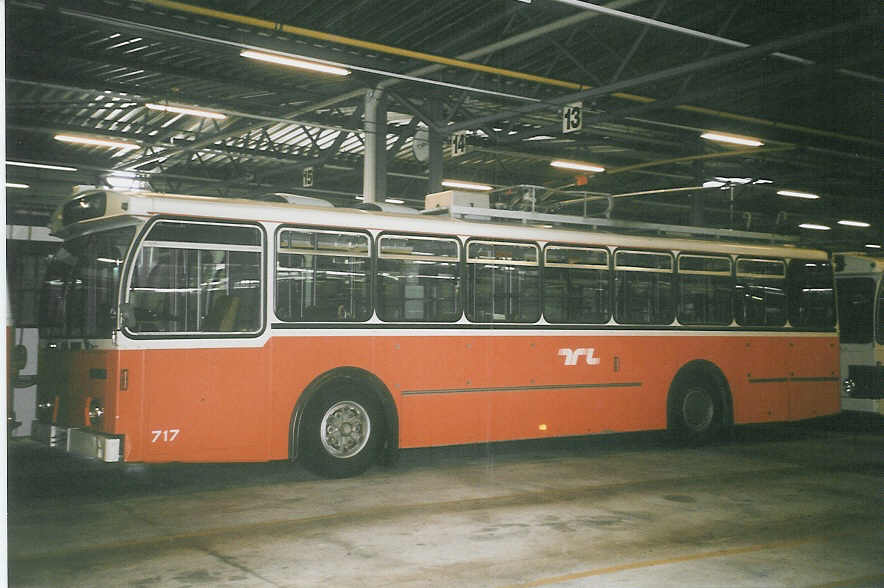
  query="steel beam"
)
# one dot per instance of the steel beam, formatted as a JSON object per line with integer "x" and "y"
{"x": 718, "y": 61}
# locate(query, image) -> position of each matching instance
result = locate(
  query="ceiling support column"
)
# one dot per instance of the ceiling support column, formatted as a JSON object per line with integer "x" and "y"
{"x": 374, "y": 174}
{"x": 698, "y": 204}
{"x": 437, "y": 139}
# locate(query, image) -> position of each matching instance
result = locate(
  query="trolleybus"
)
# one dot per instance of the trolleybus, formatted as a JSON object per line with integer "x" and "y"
{"x": 184, "y": 328}
{"x": 28, "y": 249}
{"x": 861, "y": 319}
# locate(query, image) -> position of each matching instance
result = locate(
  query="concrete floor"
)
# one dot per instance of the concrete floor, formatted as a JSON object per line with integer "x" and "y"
{"x": 785, "y": 505}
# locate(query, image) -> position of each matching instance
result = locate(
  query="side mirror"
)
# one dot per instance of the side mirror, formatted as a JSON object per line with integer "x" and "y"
{"x": 19, "y": 357}
{"x": 127, "y": 315}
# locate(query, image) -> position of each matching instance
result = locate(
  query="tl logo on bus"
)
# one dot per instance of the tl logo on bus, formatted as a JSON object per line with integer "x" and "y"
{"x": 572, "y": 356}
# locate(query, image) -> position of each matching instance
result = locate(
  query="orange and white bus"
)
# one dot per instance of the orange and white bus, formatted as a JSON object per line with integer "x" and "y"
{"x": 196, "y": 329}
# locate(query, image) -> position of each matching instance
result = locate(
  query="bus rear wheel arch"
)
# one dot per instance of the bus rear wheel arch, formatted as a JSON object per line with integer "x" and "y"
{"x": 699, "y": 406}
{"x": 343, "y": 423}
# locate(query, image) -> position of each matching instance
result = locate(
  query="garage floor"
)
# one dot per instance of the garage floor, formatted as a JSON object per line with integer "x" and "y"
{"x": 785, "y": 505}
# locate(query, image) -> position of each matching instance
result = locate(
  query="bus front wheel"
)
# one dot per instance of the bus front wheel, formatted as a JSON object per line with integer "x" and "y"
{"x": 341, "y": 432}
{"x": 695, "y": 409}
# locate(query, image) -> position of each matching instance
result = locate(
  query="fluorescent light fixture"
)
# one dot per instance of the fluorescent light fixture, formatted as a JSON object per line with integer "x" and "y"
{"x": 734, "y": 180}
{"x": 814, "y": 227}
{"x": 41, "y": 166}
{"x": 296, "y": 62}
{"x": 589, "y": 167}
{"x": 184, "y": 110}
{"x": 733, "y": 139}
{"x": 713, "y": 184}
{"x": 394, "y": 201}
{"x": 794, "y": 194}
{"x": 466, "y": 185}
{"x": 873, "y": 246}
{"x": 539, "y": 138}
{"x": 19, "y": 186}
{"x": 853, "y": 223}
{"x": 95, "y": 142}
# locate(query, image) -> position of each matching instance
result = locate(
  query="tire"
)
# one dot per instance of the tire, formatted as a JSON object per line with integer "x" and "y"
{"x": 341, "y": 430}
{"x": 695, "y": 409}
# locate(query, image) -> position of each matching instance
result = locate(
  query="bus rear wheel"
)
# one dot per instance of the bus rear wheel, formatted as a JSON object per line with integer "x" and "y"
{"x": 341, "y": 431}
{"x": 695, "y": 409}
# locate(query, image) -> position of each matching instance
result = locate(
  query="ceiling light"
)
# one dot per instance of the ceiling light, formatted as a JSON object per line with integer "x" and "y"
{"x": 19, "y": 186}
{"x": 734, "y": 180}
{"x": 466, "y": 185}
{"x": 42, "y": 166}
{"x": 795, "y": 194}
{"x": 713, "y": 184}
{"x": 815, "y": 227}
{"x": 296, "y": 62}
{"x": 96, "y": 142}
{"x": 733, "y": 139}
{"x": 394, "y": 201}
{"x": 184, "y": 110}
{"x": 576, "y": 165}
{"x": 873, "y": 246}
{"x": 852, "y": 223}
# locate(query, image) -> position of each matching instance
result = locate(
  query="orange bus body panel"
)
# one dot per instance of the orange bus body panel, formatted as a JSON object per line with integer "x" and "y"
{"x": 198, "y": 404}
{"x": 236, "y": 403}
{"x": 75, "y": 378}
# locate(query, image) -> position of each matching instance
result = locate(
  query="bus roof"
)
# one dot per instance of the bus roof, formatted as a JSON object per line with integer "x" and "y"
{"x": 147, "y": 204}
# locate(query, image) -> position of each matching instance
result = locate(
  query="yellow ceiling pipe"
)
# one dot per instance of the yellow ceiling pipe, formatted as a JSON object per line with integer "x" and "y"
{"x": 331, "y": 38}
{"x": 381, "y": 48}
{"x": 716, "y": 155}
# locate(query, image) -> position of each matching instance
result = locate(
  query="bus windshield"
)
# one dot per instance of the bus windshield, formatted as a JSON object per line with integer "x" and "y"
{"x": 855, "y": 308}
{"x": 80, "y": 292}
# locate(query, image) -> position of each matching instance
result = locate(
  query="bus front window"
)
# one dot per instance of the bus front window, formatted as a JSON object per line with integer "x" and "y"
{"x": 80, "y": 291}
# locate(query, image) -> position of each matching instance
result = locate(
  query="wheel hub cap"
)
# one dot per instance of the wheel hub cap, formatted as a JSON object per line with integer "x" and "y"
{"x": 698, "y": 409}
{"x": 345, "y": 429}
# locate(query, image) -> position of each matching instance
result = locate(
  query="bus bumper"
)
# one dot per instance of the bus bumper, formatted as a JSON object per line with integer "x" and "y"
{"x": 79, "y": 442}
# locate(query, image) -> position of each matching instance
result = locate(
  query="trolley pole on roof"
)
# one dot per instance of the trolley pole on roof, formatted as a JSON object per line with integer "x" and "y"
{"x": 374, "y": 175}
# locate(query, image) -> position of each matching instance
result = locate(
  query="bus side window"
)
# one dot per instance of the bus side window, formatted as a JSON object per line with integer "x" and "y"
{"x": 705, "y": 287}
{"x": 418, "y": 279}
{"x": 322, "y": 275}
{"x": 643, "y": 287}
{"x": 879, "y": 313}
{"x": 215, "y": 287}
{"x": 504, "y": 282}
{"x": 576, "y": 285}
{"x": 760, "y": 292}
{"x": 811, "y": 294}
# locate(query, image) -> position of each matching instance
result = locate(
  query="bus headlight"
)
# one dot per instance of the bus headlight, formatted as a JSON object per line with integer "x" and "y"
{"x": 45, "y": 410}
{"x": 848, "y": 387}
{"x": 96, "y": 413}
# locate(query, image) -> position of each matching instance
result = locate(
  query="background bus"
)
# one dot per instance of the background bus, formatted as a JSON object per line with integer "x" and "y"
{"x": 200, "y": 329}
{"x": 28, "y": 250}
{"x": 861, "y": 319}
